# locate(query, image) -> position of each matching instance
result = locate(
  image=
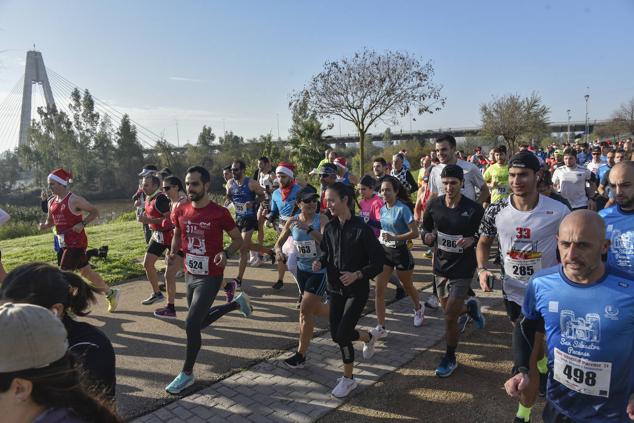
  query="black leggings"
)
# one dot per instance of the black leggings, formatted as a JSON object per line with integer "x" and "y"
{"x": 345, "y": 312}
{"x": 201, "y": 293}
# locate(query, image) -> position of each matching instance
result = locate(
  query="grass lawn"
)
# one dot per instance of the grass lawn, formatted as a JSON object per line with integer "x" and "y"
{"x": 124, "y": 239}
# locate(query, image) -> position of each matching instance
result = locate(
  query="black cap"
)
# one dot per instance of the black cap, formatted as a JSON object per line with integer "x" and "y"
{"x": 452, "y": 171}
{"x": 368, "y": 181}
{"x": 596, "y": 149}
{"x": 307, "y": 193}
{"x": 525, "y": 159}
{"x": 328, "y": 169}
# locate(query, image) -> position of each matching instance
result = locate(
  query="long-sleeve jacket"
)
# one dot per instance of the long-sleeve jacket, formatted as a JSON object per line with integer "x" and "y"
{"x": 350, "y": 247}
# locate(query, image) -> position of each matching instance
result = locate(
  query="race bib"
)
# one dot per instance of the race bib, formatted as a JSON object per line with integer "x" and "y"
{"x": 158, "y": 237}
{"x": 60, "y": 240}
{"x": 503, "y": 190}
{"x": 391, "y": 244}
{"x": 449, "y": 243}
{"x": 584, "y": 376}
{"x": 521, "y": 269}
{"x": 197, "y": 265}
{"x": 241, "y": 208}
{"x": 306, "y": 249}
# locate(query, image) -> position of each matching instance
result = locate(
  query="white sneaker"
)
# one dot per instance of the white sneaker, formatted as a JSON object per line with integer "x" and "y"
{"x": 257, "y": 262}
{"x": 379, "y": 332}
{"x": 251, "y": 260}
{"x": 344, "y": 387}
{"x": 368, "y": 347}
{"x": 419, "y": 315}
{"x": 432, "y": 302}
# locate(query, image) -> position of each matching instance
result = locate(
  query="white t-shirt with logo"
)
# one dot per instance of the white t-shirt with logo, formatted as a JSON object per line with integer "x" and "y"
{"x": 572, "y": 184}
{"x": 473, "y": 179}
{"x": 527, "y": 240}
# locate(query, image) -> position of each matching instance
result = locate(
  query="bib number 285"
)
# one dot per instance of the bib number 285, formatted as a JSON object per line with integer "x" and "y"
{"x": 520, "y": 270}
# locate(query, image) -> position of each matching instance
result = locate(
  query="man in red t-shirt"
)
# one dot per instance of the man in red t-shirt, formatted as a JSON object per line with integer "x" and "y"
{"x": 65, "y": 213}
{"x": 198, "y": 232}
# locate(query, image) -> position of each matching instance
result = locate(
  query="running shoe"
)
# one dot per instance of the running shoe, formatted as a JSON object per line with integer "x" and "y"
{"x": 428, "y": 254}
{"x": 297, "y": 361}
{"x": 154, "y": 298}
{"x": 400, "y": 293}
{"x": 520, "y": 420}
{"x": 379, "y": 332}
{"x": 256, "y": 262}
{"x": 473, "y": 309}
{"x": 113, "y": 299}
{"x": 278, "y": 285}
{"x": 245, "y": 304}
{"x": 432, "y": 302}
{"x": 446, "y": 367}
{"x": 344, "y": 387}
{"x": 230, "y": 290}
{"x": 368, "y": 347}
{"x": 238, "y": 282}
{"x": 180, "y": 383}
{"x": 180, "y": 274}
{"x": 463, "y": 321}
{"x": 165, "y": 313}
{"x": 419, "y": 316}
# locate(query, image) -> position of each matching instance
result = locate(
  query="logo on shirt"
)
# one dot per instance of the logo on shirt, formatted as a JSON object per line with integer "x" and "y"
{"x": 611, "y": 312}
{"x": 580, "y": 332}
{"x": 553, "y": 306}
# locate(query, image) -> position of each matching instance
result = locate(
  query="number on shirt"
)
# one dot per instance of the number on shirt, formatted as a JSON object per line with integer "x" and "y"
{"x": 579, "y": 376}
{"x": 523, "y": 233}
{"x": 523, "y": 270}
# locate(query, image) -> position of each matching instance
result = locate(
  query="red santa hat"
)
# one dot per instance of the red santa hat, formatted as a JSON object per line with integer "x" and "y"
{"x": 341, "y": 162}
{"x": 285, "y": 168}
{"x": 61, "y": 176}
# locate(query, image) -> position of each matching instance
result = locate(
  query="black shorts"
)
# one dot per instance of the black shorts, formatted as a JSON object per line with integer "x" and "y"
{"x": 72, "y": 258}
{"x": 553, "y": 415}
{"x": 513, "y": 310}
{"x": 247, "y": 223}
{"x": 315, "y": 283}
{"x": 156, "y": 248}
{"x": 399, "y": 258}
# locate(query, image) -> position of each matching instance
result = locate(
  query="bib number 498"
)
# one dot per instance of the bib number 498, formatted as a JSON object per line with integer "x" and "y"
{"x": 588, "y": 378}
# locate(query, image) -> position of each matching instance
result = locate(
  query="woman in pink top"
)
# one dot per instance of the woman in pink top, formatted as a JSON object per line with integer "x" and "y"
{"x": 370, "y": 204}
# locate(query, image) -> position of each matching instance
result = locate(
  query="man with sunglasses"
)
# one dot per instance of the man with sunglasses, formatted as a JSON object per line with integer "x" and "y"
{"x": 157, "y": 217}
{"x": 245, "y": 193}
{"x": 327, "y": 177}
{"x": 596, "y": 162}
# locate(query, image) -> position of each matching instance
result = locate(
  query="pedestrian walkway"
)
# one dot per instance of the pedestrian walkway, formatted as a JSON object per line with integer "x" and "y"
{"x": 271, "y": 392}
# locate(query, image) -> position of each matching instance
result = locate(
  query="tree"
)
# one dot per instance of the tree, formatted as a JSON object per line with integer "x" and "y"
{"x": 513, "y": 117}
{"x": 129, "y": 154}
{"x": 388, "y": 137}
{"x": 9, "y": 170}
{"x": 624, "y": 117}
{"x": 370, "y": 87}
{"x": 306, "y": 138}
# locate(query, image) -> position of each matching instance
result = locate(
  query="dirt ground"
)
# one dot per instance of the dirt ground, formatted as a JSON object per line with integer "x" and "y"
{"x": 474, "y": 393}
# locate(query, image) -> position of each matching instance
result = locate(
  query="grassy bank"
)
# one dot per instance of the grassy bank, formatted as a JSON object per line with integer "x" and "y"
{"x": 124, "y": 239}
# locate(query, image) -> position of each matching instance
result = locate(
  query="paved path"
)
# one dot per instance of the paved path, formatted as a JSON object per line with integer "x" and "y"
{"x": 150, "y": 352}
{"x": 270, "y": 392}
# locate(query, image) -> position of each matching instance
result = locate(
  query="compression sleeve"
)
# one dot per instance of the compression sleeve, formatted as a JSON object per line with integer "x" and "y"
{"x": 523, "y": 340}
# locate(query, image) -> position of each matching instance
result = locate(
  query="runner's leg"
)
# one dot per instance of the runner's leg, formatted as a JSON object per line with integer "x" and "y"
{"x": 406, "y": 277}
{"x": 379, "y": 294}
{"x": 311, "y": 306}
{"x": 345, "y": 313}
{"x": 245, "y": 248}
{"x": 149, "y": 261}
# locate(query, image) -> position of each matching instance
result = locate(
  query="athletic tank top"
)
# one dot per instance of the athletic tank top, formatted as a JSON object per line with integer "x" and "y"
{"x": 64, "y": 219}
{"x": 241, "y": 195}
{"x": 306, "y": 246}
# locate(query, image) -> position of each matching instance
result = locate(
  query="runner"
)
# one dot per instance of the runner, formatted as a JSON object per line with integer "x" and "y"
{"x": 596, "y": 162}
{"x": 604, "y": 184}
{"x": 370, "y": 210}
{"x": 349, "y": 272}
{"x": 545, "y": 187}
{"x": 244, "y": 193}
{"x": 173, "y": 188}
{"x": 525, "y": 225}
{"x": 619, "y": 218}
{"x": 451, "y": 222}
{"x": 4, "y": 218}
{"x": 306, "y": 229}
{"x": 65, "y": 215}
{"x": 282, "y": 205}
{"x": 139, "y": 199}
{"x": 67, "y": 295}
{"x": 343, "y": 174}
{"x": 329, "y": 157}
{"x": 379, "y": 167}
{"x": 402, "y": 173}
{"x": 473, "y": 180}
{"x": 497, "y": 175}
{"x": 574, "y": 182}
{"x": 584, "y": 310}
{"x": 157, "y": 217}
{"x": 398, "y": 226}
{"x": 268, "y": 182}
{"x": 327, "y": 177}
{"x": 198, "y": 232}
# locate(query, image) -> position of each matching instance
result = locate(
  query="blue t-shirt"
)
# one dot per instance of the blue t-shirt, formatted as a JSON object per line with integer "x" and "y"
{"x": 590, "y": 338}
{"x": 395, "y": 220}
{"x": 284, "y": 208}
{"x": 620, "y": 231}
{"x": 240, "y": 196}
{"x": 602, "y": 171}
{"x": 306, "y": 246}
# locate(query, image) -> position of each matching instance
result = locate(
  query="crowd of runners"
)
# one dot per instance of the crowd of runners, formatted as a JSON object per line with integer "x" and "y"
{"x": 552, "y": 228}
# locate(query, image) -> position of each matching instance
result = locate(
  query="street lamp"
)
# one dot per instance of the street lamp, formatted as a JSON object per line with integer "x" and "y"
{"x": 568, "y": 133}
{"x": 587, "y": 96}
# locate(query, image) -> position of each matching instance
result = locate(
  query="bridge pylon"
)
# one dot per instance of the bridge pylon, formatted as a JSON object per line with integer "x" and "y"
{"x": 34, "y": 73}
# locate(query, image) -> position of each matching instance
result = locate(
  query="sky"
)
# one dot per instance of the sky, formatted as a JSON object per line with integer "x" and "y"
{"x": 232, "y": 65}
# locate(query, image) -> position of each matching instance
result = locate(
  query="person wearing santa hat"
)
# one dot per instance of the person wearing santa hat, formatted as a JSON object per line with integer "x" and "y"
{"x": 283, "y": 206}
{"x": 343, "y": 175}
{"x": 65, "y": 213}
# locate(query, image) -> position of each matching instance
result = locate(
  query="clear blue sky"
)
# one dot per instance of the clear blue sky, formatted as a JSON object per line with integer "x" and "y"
{"x": 204, "y": 62}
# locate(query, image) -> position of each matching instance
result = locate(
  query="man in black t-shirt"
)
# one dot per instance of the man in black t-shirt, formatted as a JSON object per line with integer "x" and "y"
{"x": 451, "y": 223}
